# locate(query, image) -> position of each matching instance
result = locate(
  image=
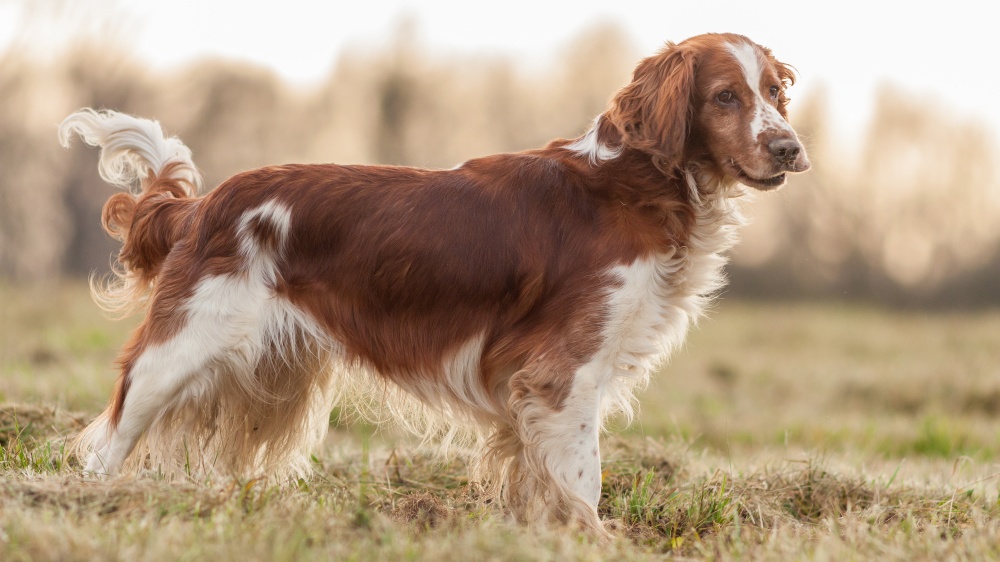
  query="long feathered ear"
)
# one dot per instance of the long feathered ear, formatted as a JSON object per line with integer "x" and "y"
{"x": 786, "y": 73}
{"x": 654, "y": 111}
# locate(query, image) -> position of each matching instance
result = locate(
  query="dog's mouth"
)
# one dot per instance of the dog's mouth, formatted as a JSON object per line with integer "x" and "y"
{"x": 758, "y": 183}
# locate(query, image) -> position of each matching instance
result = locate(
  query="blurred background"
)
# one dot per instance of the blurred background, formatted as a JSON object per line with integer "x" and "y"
{"x": 902, "y": 206}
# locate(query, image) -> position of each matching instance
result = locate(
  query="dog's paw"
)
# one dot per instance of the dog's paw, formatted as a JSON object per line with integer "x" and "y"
{"x": 96, "y": 468}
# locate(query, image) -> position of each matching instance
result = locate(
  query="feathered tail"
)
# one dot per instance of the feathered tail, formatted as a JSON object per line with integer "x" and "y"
{"x": 160, "y": 182}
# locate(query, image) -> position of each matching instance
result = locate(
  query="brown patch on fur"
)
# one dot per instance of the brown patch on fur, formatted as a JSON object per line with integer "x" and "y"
{"x": 396, "y": 288}
{"x": 150, "y": 225}
{"x": 653, "y": 112}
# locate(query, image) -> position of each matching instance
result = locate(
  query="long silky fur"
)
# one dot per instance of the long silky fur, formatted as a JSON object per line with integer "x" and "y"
{"x": 261, "y": 417}
{"x": 137, "y": 157}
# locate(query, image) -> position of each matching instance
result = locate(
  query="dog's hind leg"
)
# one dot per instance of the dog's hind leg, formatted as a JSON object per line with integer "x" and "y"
{"x": 174, "y": 356}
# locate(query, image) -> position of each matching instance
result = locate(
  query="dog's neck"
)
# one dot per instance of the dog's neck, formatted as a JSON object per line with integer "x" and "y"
{"x": 696, "y": 177}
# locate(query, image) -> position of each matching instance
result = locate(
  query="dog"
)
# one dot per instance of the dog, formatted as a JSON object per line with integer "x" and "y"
{"x": 517, "y": 299}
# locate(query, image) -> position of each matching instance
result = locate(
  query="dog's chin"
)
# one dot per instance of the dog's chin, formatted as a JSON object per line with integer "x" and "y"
{"x": 760, "y": 184}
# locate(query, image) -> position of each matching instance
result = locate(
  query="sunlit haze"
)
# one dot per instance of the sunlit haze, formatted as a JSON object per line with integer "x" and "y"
{"x": 939, "y": 51}
{"x": 894, "y": 103}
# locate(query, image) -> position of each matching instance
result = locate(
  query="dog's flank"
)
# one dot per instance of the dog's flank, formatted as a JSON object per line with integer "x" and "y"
{"x": 516, "y": 301}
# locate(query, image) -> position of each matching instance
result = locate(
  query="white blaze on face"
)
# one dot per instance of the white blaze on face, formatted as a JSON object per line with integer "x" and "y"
{"x": 765, "y": 115}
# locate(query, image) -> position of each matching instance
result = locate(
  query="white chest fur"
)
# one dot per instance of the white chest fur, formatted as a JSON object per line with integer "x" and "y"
{"x": 659, "y": 297}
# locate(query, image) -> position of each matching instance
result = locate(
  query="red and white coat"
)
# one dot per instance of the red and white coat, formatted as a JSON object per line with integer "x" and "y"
{"x": 519, "y": 298}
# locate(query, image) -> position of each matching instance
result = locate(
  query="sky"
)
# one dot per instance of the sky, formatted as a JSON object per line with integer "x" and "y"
{"x": 943, "y": 52}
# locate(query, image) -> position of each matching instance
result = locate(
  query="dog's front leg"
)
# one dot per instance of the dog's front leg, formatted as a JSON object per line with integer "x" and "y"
{"x": 558, "y": 469}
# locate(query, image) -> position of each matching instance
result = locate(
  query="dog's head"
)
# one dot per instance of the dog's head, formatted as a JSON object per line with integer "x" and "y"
{"x": 717, "y": 100}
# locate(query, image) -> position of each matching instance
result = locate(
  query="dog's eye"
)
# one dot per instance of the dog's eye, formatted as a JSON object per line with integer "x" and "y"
{"x": 726, "y": 97}
{"x": 774, "y": 92}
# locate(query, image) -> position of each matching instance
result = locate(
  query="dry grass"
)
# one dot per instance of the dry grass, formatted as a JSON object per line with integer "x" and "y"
{"x": 781, "y": 432}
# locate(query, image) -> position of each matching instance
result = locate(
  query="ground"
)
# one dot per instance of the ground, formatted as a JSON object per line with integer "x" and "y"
{"x": 780, "y": 431}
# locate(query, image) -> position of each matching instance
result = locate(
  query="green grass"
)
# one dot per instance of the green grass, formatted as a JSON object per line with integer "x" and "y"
{"x": 780, "y": 432}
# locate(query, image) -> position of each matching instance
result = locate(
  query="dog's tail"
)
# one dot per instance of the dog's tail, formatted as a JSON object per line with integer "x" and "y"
{"x": 160, "y": 183}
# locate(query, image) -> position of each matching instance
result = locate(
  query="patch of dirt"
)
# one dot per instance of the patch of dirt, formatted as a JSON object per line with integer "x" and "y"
{"x": 422, "y": 509}
{"x": 37, "y": 422}
{"x": 73, "y": 494}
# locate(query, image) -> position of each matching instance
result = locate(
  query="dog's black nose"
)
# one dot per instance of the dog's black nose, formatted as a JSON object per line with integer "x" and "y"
{"x": 784, "y": 150}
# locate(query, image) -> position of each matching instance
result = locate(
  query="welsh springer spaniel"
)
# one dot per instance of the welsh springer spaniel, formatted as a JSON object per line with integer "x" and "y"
{"x": 517, "y": 300}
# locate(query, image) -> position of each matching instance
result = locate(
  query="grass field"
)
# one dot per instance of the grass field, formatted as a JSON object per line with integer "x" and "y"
{"x": 821, "y": 432}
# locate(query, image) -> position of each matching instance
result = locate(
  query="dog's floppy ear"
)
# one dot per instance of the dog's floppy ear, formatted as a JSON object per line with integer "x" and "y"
{"x": 787, "y": 75}
{"x": 653, "y": 112}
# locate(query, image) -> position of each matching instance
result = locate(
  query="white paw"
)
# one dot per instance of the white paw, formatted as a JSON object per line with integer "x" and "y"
{"x": 96, "y": 467}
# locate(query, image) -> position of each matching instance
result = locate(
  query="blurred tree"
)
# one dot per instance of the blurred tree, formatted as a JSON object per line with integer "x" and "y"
{"x": 912, "y": 211}
{"x": 910, "y": 216}
{"x": 100, "y": 78}
{"x": 594, "y": 65}
{"x": 235, "y": 117}
{"x": 397, "y": 94}
{"x": 928, "y": 185}
{"x": 33, "y": 221}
